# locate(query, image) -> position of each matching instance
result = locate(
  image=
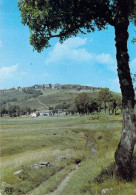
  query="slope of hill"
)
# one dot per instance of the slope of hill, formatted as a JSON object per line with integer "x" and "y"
{"x": 50, "y": 97}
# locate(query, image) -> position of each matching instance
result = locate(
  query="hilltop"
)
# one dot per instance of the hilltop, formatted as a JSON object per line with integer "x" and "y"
{"x": 41, "y": 97}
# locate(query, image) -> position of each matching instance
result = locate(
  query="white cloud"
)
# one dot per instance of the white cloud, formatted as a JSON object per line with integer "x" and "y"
{"x": 69, "y": 50}
{"x": 6, "y": 73}
{"x": 72, "y": 50}
{"x": 104, "y": 59}
{"x": 74, "y": 42}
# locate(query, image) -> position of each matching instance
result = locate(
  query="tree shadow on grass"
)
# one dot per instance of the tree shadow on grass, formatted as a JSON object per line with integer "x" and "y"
{"x": 109, "y": 172}
{"x": 105, "y": 174}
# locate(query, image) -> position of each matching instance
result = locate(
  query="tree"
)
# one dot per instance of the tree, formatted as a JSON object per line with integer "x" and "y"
{"x": 93, "y": 105}
{"x": 72, "y": 109}
{"x": 14, "y": 110}
{"x": 104, "y": 96}
{"x": 3, "y": 111}
{"x": 82, "y": 103}
{"x": 63, "y": 19}
{"x": 119, "y": 102}
{"x": 112, "y": 105}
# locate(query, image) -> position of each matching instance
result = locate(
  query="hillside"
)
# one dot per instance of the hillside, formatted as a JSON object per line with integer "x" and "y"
{"x": 51, "y": 95}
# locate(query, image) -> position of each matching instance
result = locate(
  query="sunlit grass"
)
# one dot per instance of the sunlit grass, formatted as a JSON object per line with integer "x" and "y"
{"x": 25, "y": 142}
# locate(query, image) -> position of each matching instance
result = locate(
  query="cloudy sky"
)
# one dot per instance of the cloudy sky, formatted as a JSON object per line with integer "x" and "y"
{"x": 86, "y": 59}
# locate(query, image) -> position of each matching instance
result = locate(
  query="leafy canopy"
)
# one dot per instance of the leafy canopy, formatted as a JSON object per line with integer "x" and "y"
{"x": 65, "y": 18}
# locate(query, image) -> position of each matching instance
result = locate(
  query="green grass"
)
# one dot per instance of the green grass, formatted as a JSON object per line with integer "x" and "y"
{"x": 49, "y": 98}
{"x": 25, "y": 142}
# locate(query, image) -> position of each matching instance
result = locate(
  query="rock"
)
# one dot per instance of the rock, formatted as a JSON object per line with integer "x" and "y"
{"x": 104, "y": 191}
{"x": 44, "y": 164}
{"x": 36, "y": 167}
{"x": 17, "y": 172}
{"x": 3, "y": 184}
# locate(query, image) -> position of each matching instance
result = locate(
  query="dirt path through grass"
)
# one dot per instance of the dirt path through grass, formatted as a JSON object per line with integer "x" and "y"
{"x": 64, "y": 182}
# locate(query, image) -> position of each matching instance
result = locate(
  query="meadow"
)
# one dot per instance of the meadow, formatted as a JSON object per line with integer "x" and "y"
{"x": 28, "y": 141}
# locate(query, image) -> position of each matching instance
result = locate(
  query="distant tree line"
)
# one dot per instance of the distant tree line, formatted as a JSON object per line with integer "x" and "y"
{"x": 104, "y": 100}
{"x": 15, "y": 110}
{"x": 86, "y": 104}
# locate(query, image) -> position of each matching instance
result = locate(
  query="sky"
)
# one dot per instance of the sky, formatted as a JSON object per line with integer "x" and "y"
{"x": 86, "y": 59}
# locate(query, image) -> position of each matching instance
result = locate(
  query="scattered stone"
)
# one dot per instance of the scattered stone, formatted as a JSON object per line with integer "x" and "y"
{"x": 36, "y": 166}
{"x": 104, "y": 191}
{"x": 3, "y": 184}
{"x": 77, "y": 161}
{"x": 17, "y": 172}
{"x": 44, "y": 164}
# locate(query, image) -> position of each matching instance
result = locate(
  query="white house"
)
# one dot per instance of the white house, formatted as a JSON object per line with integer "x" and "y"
{"x": 34, "y": 114}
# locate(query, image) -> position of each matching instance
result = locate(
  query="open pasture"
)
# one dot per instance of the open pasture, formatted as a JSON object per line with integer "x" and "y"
{"x": 26, "y": 141}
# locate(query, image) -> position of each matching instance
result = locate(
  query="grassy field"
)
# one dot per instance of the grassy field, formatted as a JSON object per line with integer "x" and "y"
{"x": 25, "y": 142}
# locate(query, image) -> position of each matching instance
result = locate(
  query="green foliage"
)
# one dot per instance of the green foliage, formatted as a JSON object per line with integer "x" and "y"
{"x": 63, "y": 106}
{"x": 82, "y": 103}
{"x": 104, "y": 96}
{"x": 9, "y": 178}
{"x": 63, "y": 19}
{"x": 14, "y": 110}
{"x": 33, "y": 178}
{"x": 61, "y": 99}
{"x": 30, "y": 90}
{"x": 85, "y": 104}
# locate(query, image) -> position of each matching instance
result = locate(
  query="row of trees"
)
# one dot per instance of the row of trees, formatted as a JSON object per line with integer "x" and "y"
{"x": 85, "y": 104}
{"x": 15, "y": 110}
{"x": 104, "y": 100}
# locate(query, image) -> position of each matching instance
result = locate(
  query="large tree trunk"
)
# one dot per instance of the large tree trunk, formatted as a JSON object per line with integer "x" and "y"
{"x": 124, "y": 152}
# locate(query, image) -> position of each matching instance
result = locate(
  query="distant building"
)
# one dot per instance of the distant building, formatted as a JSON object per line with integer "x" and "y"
{"x": 46, "y": 113}
{"x": 56, "y": 86}
{"x": 35, "y": 114}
